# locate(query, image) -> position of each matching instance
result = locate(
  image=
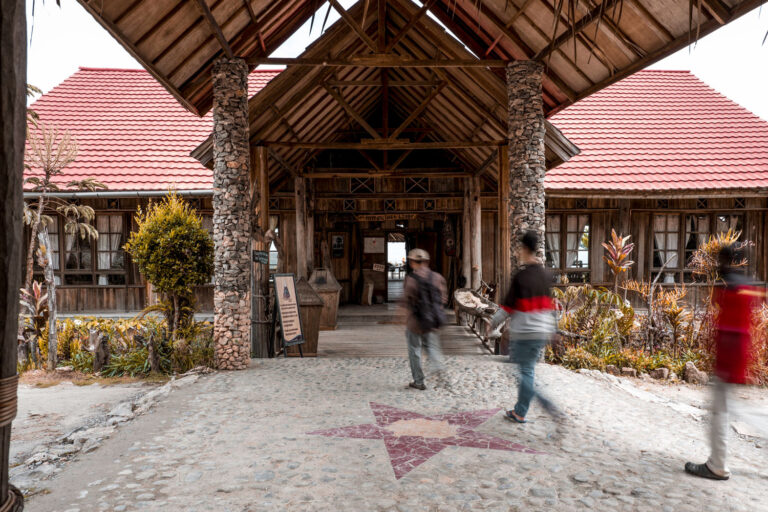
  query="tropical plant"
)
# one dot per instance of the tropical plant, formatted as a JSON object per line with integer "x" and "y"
{"x": 175, "y": 253}
{"x": 48, "y": 151}
{"x": 617, "y": 251}
{"x": 32, "y": 324}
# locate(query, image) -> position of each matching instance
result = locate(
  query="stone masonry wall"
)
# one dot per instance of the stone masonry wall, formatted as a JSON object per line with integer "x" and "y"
{"x": 527, "y": 163}
{"x": 231, "y": 215}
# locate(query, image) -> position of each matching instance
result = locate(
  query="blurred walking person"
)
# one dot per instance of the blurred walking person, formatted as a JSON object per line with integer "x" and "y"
{"x": 532, "y": 324}
{"x": 733, "y": 347}
{"x": 425, "y": 294}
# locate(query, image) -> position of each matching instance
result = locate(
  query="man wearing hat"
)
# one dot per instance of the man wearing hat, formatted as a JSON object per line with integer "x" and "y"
{"x": 425, "y": 293}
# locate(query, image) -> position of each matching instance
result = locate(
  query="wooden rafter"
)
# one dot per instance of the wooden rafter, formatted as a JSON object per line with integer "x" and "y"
{"x": 353, "y": 24}
{"x": 528, "y": 53}
{"x": 418, "y": 110}
{"x": 215, "y": 28}
{"x": 384, "y": 145}
{"x": 377, "y": 83}
{"x": 251, "y": 13}
{"x": 352, "y": 112}
{"x": 580, "y": 25}
{"x": 405, "y": 154}
{"x": 508, "y": 25}
{"x": 379, "y": 61}
{"x": 661, "y": 30}
{"x": 274, "y": 154}
{"x": 718, "y": 10}
{"x": 408, "y": 26}
{"x": 370, "y": 159}
{"x": 486, "y": 164}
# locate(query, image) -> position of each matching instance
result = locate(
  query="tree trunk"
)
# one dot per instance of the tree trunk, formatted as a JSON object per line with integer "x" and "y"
{"x": 152, "y": 355}
{"x": 50, "y": 283}
{"x": 175, "y": 326}
{"x": 13, "y": 66}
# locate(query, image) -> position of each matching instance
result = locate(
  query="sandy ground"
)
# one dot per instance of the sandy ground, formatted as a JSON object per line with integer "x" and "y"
{"x": 47, "y": 412}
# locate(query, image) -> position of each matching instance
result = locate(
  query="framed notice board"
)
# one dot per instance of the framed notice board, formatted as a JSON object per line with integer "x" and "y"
{"x": 288, "y": 309}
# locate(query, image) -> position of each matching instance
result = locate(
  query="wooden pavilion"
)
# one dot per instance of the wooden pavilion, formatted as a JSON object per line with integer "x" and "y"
{"x": 548, "y": 55}
{"x": 386, "y": 95}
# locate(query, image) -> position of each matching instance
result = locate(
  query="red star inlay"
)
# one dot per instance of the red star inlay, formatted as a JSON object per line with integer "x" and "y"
{"x": 412, "y": 439}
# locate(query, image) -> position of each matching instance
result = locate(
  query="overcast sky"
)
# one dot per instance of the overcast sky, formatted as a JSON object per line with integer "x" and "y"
{"x": 733, "y": 60}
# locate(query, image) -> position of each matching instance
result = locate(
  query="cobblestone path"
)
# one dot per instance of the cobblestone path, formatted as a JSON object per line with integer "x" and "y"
{"x": 239, "y": 441}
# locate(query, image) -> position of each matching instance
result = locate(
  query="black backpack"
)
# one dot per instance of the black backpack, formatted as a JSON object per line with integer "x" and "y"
{"x": 428, "y": 307}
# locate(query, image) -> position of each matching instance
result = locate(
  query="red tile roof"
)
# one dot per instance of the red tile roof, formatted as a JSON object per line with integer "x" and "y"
{"x": 661, "y": 131}
{"x": 131, "y": 133}
{"x": 656, "y": 131}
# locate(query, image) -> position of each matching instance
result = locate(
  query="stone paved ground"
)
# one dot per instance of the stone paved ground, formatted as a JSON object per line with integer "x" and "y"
{"x": 237, "y": 442}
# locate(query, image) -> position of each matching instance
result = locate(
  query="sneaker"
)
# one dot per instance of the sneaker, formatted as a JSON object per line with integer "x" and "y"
{"x": 417, "y": 386}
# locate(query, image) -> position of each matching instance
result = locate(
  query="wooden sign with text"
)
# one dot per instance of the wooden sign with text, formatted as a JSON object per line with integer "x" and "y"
{"x": 288, "y": 309}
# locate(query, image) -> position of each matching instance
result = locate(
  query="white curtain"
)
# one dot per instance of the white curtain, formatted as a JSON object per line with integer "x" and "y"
{"x": 53, "y": 236}
{"x": 576, "y": 230}
{"x": 102, "y": 225}
{"x": 552, "y": 241}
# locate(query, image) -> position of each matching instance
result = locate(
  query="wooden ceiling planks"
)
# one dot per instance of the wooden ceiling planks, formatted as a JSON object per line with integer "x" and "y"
{"x": 595, "y": 44}
{"x": 306, "y": 108}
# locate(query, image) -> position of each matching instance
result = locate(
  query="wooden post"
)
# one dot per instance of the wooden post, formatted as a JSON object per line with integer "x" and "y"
{"x": 13, "y": 100}
{"x": 260, "y": 273}
{"x": 300, "y": 194}
{"x": 466, "y": 237}
{"x": 503, "y": 278}
{"x": 476, "y": 221}
{"x": 309, "y": 215}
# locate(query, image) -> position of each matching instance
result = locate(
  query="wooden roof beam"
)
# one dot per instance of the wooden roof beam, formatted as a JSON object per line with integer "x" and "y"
{"x": 379, "y": 61}
{"x": 528, "y": 52}
{"x": 274, "y": 154}
{"x": 251, "y": 13}
{"x": 215, "y": 28}
{"x": 418, "y": 110}
{"x": 571, "y": 32}
{"x": 718, "y": 10}
{"x": 384, "y": 145}
{"x": 508, "y": 25}
{"x": 353, "y": 25}
{"x": 485, "y": 165}
{"x": 408, "y": 26}
{"x": 377, "y": 83}
{"x": 352, "y": 112}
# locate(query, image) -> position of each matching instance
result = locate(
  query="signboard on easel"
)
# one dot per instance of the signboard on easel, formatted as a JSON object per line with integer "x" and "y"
{"x": 288, "y": 310}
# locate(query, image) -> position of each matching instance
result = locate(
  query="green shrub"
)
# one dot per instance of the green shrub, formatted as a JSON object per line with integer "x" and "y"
{"x": 174, "y": 252}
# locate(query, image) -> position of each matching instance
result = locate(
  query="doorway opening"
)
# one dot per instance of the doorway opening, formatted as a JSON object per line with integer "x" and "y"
{"x": 397, "y": 266}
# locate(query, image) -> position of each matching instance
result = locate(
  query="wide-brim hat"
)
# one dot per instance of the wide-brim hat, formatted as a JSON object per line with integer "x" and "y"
{"x": 418, "y": 255}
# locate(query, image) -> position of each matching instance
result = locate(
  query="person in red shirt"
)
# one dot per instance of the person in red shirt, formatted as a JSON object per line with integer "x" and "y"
{"x": 735, "y": 303}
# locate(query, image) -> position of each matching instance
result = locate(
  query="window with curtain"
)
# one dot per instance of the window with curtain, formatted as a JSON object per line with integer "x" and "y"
{"x": 666, "y": 244}
{"x": 110, "y": 257}
{"x": 570, "y": 232}
{"x": 697, "y": 227}
{"x": 78, "y": 259}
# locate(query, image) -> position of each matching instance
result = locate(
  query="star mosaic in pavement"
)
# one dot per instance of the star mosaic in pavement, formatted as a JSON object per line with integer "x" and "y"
{"x": 412, "y": 439}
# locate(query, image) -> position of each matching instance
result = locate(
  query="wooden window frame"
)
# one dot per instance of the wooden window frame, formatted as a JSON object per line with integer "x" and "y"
{"x": 563, "y": 270}
{"x": 683, "y": 274}
{"x": 94, "y": 271}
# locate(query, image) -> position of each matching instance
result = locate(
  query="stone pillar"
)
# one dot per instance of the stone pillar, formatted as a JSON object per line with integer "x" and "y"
{"x": 527, "y": 163}
{"x": 231, "y": 215}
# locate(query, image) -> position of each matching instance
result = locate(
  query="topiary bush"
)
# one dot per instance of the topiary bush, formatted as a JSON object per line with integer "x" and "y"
{"x": 175, "y": 253}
